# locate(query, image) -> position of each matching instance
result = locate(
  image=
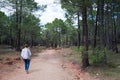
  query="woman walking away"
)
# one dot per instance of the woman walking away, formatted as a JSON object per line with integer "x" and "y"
{"x": 26, "y": 54}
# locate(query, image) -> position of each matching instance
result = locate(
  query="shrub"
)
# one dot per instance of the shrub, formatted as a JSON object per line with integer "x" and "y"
{"x": 97, "y": 56}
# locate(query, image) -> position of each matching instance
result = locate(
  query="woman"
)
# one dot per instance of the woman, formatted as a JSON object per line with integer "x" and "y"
{"x": 26, "y": 54}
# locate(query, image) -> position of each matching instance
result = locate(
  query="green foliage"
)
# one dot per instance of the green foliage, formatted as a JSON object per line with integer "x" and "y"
{"x": 24, "y": 23}
{"x": 60, "y": 33}
{"x": 76, "y": 49}
{"x": 3, "y": 27}
{"x": 30, "y": 28}
{"x": 112, "y": 64}
{"x": 97, "y": 56}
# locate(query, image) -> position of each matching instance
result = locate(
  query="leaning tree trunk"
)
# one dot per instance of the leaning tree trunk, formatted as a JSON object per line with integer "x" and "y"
{"x": 85, "y": 61}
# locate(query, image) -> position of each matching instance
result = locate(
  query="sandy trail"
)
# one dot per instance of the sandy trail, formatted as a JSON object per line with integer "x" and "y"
{"x": 46, "y": 66}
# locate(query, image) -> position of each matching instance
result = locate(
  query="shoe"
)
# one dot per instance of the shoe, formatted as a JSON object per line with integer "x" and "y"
{"x": 27, "y": 72}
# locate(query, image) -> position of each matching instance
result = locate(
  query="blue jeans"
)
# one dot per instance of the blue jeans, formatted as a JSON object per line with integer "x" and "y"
{"x": 27, "y": 64}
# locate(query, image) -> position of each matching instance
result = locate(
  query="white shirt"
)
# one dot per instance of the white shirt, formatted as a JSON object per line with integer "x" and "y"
{"x": 26, "y": 53}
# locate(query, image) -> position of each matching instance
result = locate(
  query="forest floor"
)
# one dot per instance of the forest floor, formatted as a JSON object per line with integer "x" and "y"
{"x": 47, "y": 64}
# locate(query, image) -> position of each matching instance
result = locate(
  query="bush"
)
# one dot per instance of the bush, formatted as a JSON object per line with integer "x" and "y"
{"x": 111, "y": 65}
{"x": 76, "y": 49}
{"x": 97, "y": 56}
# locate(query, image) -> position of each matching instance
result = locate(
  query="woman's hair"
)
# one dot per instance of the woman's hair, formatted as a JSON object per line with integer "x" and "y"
{"x": 26, "y": 45}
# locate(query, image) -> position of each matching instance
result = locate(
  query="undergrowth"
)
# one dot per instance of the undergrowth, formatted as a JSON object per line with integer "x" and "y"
{"x": 103, "y": 62}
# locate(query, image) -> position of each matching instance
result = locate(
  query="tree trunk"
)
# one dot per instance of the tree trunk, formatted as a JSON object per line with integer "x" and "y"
{"x": 59, "y": 34}
{"x": 101, "y": 20}
{"x": 0, "y": 36}
{"x": 92, "y": 30}
{"x": 96, "y": 29}
{"x": 115, "y": 39}
{"x": 17, "y": 27}
{"x": 107, "y": 26}
{"x": 110, "y": 27}
{"x": 32, "y": 41}
{"x": 114, "y": 42}
{"x": 85, "y": 61}
{"x": 47, "y": 41}
{"x": 79, "y": 39}
{"x": 102, "y": 29}
{"x": 99, "y": 28}
{"x": 18, "y": 23}
{"x": 10, "y": 42}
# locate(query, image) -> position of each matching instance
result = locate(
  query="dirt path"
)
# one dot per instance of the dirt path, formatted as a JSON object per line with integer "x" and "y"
{"x": 46, "y": 66}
